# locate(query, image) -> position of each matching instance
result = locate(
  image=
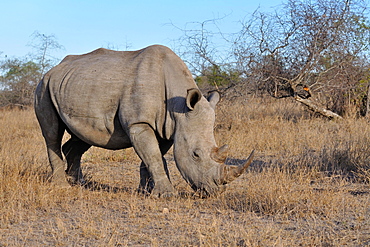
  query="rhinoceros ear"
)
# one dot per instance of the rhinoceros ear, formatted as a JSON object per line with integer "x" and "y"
{"x": 193, "y": 97}
{"x": 213, "y": 98}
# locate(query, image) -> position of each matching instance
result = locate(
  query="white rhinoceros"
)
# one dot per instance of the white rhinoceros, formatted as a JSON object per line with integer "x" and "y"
{"x": 145, "y": 99}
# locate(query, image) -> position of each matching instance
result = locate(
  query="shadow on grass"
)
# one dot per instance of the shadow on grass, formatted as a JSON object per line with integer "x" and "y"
{"x": 96, "y": 186}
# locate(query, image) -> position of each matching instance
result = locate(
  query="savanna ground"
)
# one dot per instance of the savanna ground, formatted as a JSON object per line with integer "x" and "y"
{"x": 308, "y": 186}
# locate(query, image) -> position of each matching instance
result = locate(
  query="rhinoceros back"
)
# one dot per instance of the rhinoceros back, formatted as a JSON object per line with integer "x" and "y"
{"x": 100, "y": 94}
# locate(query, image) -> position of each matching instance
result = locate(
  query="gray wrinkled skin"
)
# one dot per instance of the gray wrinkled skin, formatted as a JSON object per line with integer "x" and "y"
{"x": 145, "y": 99}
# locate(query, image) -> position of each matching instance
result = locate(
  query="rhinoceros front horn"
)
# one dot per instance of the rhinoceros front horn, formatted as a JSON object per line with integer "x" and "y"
{"x": 230, "y": 172}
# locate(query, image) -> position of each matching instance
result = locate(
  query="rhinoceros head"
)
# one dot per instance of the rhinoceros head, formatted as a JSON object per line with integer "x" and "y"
{"x": 197, "y": 156}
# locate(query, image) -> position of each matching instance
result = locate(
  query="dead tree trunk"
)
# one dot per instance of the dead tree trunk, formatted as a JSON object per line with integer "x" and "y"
{"x": 316, "y": 108}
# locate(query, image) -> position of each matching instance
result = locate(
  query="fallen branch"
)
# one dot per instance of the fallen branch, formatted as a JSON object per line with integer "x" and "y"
{"x": 316, "y": 108}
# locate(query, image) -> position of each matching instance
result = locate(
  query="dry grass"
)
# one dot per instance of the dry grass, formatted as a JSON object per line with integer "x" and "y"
{"x": 308, "y": 186}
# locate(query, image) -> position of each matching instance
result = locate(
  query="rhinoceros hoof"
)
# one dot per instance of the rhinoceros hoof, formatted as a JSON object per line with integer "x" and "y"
{"x": 164, "y": 193}
{"x": 75, "y": 181}
{"x": 143, "y": 191}
{"x": 60, "y": 183}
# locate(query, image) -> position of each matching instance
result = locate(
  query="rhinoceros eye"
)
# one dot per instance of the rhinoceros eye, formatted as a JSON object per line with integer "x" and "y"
{"x": 196, "y": 155}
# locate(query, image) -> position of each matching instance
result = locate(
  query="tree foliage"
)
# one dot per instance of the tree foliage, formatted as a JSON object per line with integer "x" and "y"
{"x": 216, "y": 76}
{"x": 19, "y": 81}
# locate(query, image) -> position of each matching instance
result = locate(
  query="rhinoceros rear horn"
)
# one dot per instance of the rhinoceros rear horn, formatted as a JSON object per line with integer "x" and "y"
{"x": 231, "y": 172}
{"x": 220, "y": 154}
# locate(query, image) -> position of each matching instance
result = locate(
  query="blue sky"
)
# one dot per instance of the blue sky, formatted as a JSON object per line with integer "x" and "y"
{"x": 82, "y": 26}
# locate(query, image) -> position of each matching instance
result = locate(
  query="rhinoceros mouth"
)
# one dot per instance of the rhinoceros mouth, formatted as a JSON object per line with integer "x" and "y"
{"x": 205, "y": 191}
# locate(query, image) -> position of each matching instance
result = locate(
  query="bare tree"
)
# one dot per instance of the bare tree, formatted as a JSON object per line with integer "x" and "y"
{"x": 44, "y": 45}
{"x": 321, "y": 44}
{"x": 206, "y": 50}
{"x": 319, "y": 47}
{"x": 196, "y": 47}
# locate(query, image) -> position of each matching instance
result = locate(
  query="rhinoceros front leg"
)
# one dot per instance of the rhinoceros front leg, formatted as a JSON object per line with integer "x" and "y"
{"x": 147, "y": 147}
{"x": 146, "y": 185}
{"x": 146, "y": 181}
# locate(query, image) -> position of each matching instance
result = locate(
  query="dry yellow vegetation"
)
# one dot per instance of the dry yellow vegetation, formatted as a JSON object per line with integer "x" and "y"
{"x": 308, "y": 186}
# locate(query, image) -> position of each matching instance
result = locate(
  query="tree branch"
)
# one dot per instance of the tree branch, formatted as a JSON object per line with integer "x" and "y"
{"x": 318, "y": 109}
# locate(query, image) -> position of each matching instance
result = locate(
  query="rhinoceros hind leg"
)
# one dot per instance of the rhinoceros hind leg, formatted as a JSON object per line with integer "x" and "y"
{"x": 52, "y": 129}
{"x": 73, "y": 150}
{"x": 57, "y": 165}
